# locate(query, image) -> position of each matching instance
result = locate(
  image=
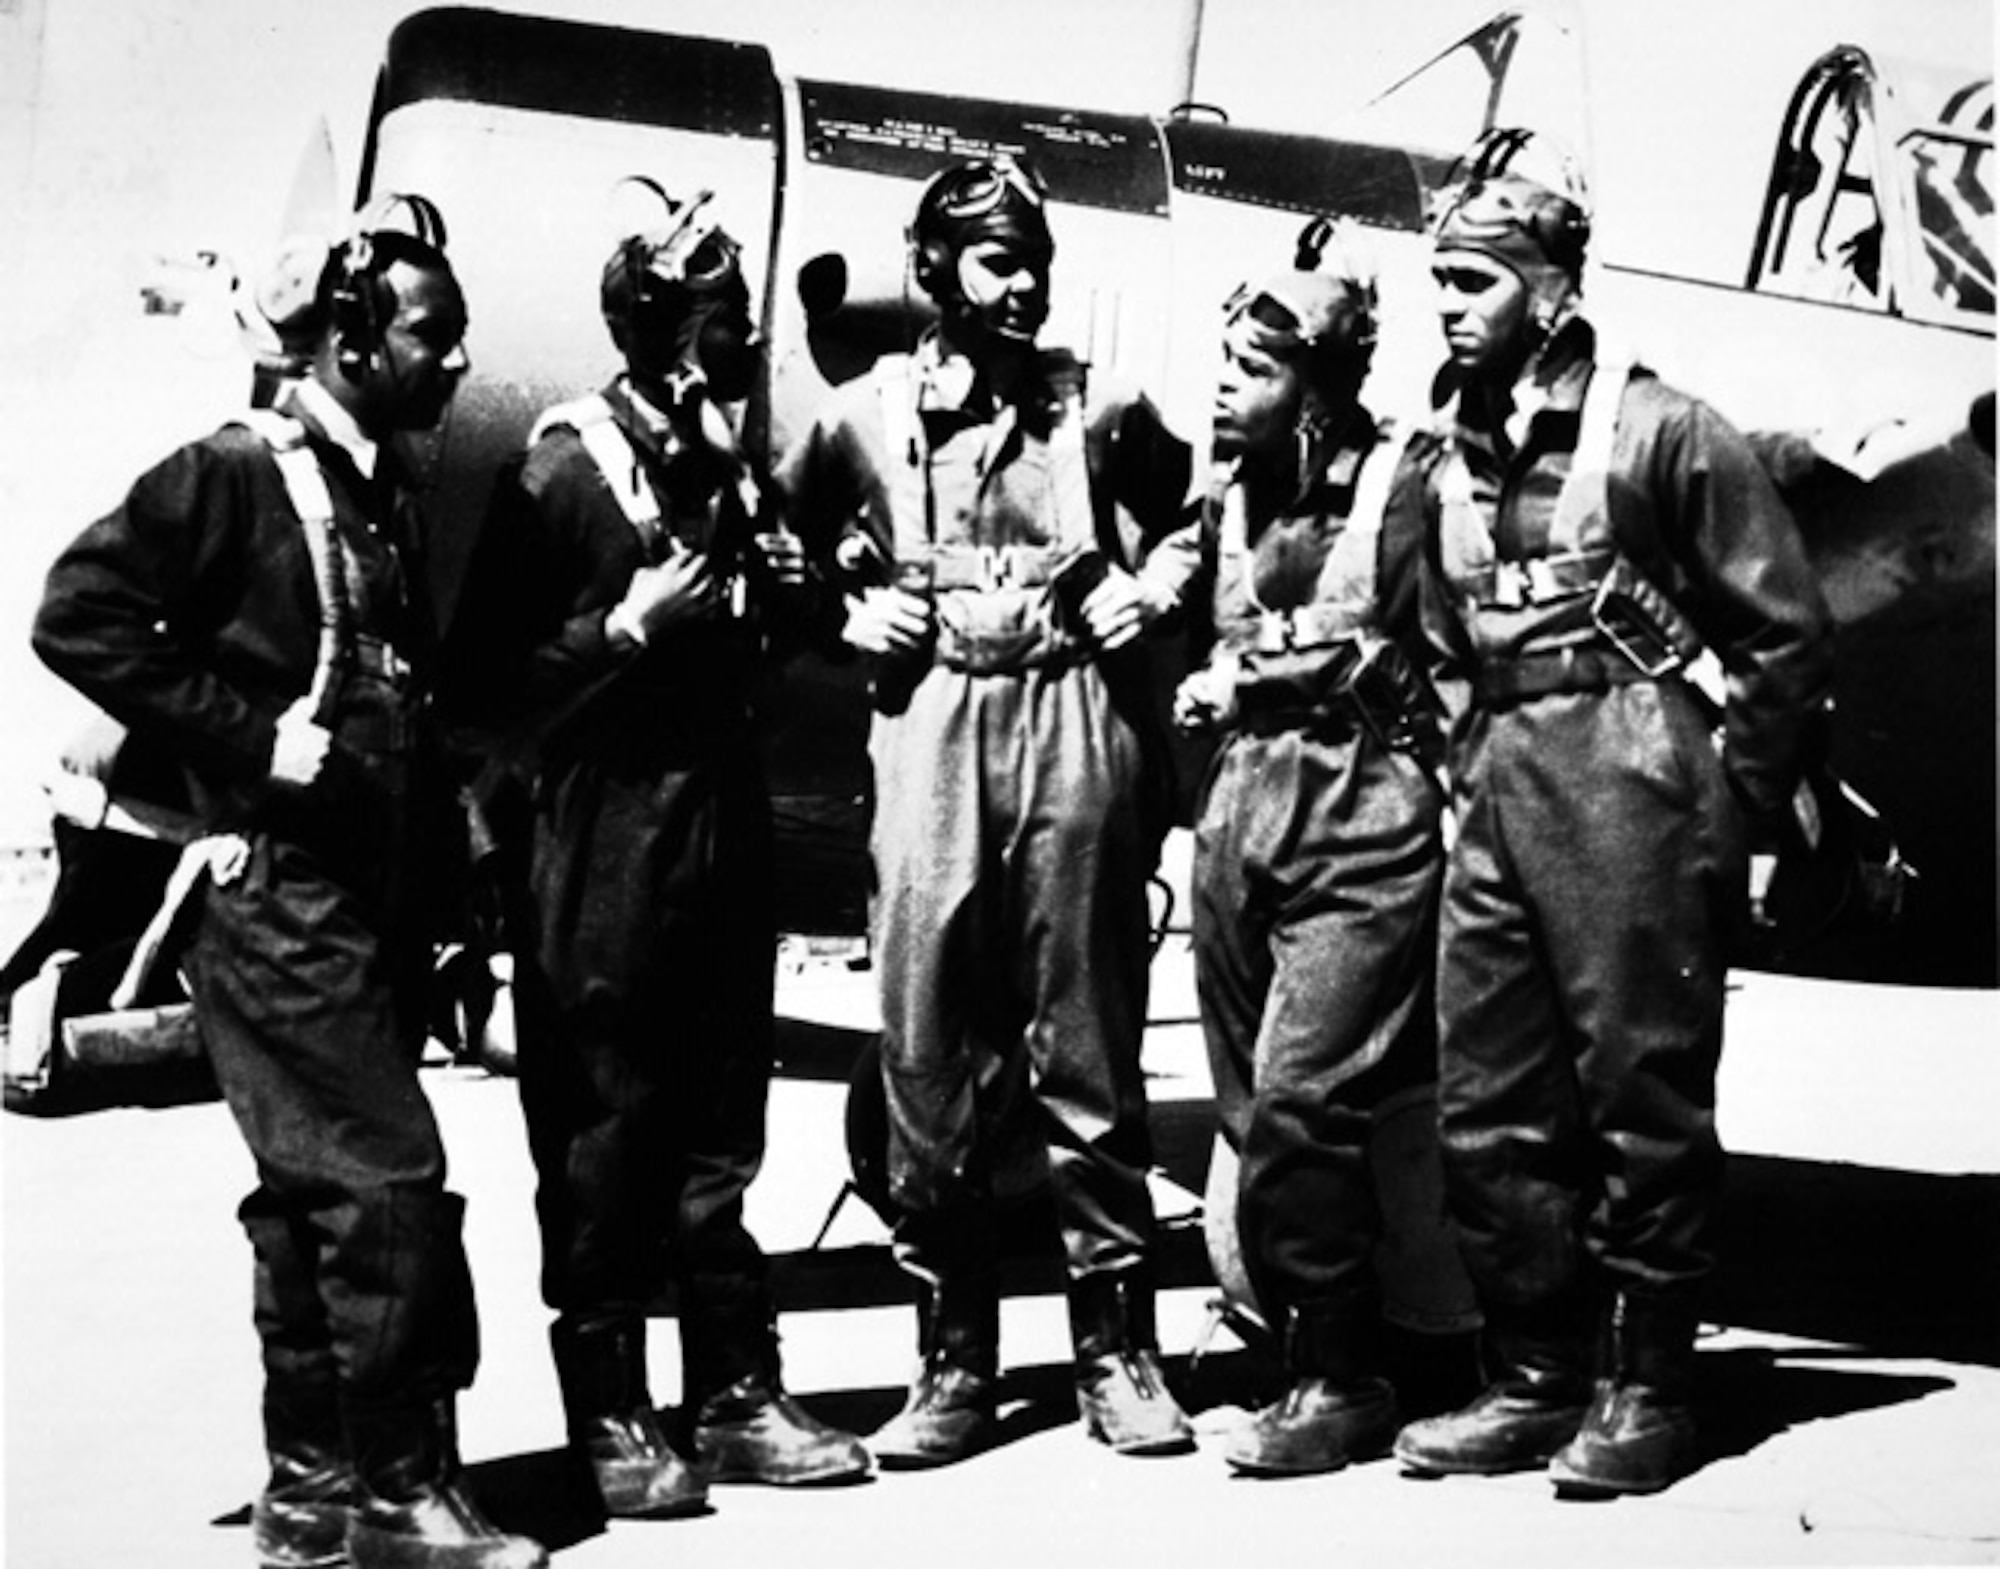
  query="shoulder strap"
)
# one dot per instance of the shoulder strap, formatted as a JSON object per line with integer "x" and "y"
{"x": 305, "y": 485}
{"x": 903, "y": 451}
{"x": 1584, "y": 492}
{"x": 1378, "y": 473}
{"x": 896, "y": 394}
{"x": 1371, "y": 485}
{"x": 590, "y": 417}
{"x": 1075, "y": 521}
{"x": 1588, "y": 489}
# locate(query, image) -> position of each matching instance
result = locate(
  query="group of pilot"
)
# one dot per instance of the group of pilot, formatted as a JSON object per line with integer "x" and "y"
{"x": 1469, "y": 831}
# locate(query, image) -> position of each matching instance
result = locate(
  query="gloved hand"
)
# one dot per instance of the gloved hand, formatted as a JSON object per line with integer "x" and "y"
{"x": 1121, "y": 607}
{"x": 681, "y": 588}
{"x": 299, "y": 753}
{"x": 887, "y": 621}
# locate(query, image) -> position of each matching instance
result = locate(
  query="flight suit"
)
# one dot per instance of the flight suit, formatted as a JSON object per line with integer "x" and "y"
{"x": 307, "y": 969}
{"x": 644, "y": 917}
{"x": 1317, "y": 862}
{"x": 1599, "y": 866}
{"x": 1020, "y": 794}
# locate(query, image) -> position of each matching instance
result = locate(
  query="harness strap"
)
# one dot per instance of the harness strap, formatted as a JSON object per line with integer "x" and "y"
{"x": 616, "y": 459}
{"x": 1296, "y": 631}
{"x": 1371, "y": 486}
{"x": 909, "y": 498}
{"x": 305, "y": 486}
{"x": 1323, "y": 623}
{"x": 1586, "y": 492}
{"x": 220, "y": 858}
{"x": 1503, "y": 683}
{"x": 912, "y": 501}
{"x": 993, "y": 566}
{"x": 1632, "y": 625}
{"x": 1511, "y": 585}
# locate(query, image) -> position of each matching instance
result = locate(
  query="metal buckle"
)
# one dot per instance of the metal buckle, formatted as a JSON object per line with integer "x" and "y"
{"x": 995, "y": 565}
{"x": 1602, "y": 606}
{"x": 1542, "y": 582}
{"x": 1274, "y": 632}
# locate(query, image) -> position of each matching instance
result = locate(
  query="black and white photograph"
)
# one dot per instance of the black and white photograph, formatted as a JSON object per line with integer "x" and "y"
{"x": 1072, "y": 782}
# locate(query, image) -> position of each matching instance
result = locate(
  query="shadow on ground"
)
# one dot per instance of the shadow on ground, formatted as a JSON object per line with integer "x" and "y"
{"x": 1747, "y": 1395}
{"x": 1899, "y": 1263}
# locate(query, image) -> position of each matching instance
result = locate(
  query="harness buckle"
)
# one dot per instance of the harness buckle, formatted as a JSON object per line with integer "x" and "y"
{"x": 1542, "y": 581}
{"x": 1633, "y": 630}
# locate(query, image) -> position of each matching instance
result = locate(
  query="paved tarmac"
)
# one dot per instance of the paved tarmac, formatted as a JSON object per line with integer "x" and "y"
{"x": 1849, "y": 1373}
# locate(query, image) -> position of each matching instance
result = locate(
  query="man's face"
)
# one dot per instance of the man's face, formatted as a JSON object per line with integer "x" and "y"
{"x": 1257, "y": 398}
{"x": 1483, "y": 307}
{"x": 728, "y": 349}
{"x": 420, "y": 358}
{"x": 1005, "y": 286}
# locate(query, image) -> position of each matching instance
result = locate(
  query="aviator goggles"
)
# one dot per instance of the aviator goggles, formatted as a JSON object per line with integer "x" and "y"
{"x": 977, "y": 189}
{"x": 1268, "y": 311}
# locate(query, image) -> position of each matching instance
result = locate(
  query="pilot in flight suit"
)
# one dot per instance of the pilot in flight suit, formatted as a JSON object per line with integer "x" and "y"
{"x": 981, "y": 502}
{"x": 256, "y": 609}
{"x": 617, "y": 622}
{"x": 1318, "y": 845}
{"x": 1590, "y": 531}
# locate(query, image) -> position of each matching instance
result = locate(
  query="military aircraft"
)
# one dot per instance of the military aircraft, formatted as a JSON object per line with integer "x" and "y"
{"x": 1856, "y": 347}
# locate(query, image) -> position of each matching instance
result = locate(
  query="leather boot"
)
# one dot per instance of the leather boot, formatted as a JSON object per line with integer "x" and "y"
{"x": 1333, "y": 1413}
{"x": 1533, "y": 1405}
{"x": 613, "y": 1430}
{"x": 740, "y": 1423}
{"x": 416, "y": 1512}
{"x": 1639, "y": 1435}
{"x": 948, "y": 1414}
{"x": 754, "y": 1432}
{"x": 300, "y": 1519}
{"x": 1121, "y": 1390}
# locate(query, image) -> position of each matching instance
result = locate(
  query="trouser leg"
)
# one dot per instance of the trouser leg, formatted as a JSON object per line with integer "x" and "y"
{"x": 1580, "y": 998}
{"x": 310, "y": 1021}
{"x": 309, "y": 1007}
{"x": 1515, "y": 1165}
{"x": 1075, "y": 899}
{"x": 1636, "y": 950}
{"x": 932, "y": 937}
{"x": 1581, "y": 993}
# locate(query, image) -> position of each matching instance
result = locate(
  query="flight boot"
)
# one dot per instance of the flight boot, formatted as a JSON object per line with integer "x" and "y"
{"x": 299, "y": 1520}
{"x": 614, "y": 1431}
{"x": 949, "y": 1412}
{"x": 740, "y": 1424}
{"x": 1538, "y": 1391}
{"x": 753, "y": 1431}
{"x": 1639, "y": 1435}
{"x": 416, "y": 1511}
{"x": 1333, "y": 1412}
{"x": 1121, "y": 1390}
